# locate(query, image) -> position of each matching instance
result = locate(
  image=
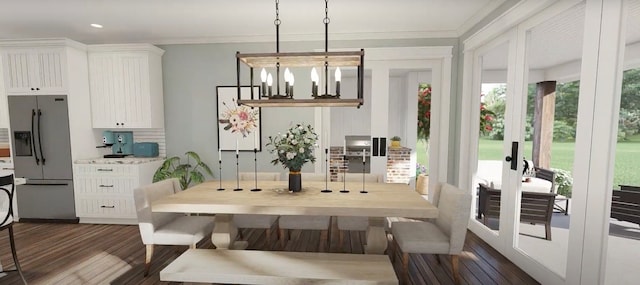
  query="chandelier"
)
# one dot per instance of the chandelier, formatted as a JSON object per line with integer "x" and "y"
{"x": 275, "y": 96}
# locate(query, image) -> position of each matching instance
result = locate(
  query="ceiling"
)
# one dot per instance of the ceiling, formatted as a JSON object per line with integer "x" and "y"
{"x": 559, "y": 40}
{"x": 208, "y": 21}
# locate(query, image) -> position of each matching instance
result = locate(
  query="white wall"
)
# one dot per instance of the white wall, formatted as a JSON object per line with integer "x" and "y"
{"x": 351, "y": 121}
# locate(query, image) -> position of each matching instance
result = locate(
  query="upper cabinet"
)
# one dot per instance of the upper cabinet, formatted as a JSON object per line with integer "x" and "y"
{"x": 126, "y": 86}
{"x": 39, "y": 70}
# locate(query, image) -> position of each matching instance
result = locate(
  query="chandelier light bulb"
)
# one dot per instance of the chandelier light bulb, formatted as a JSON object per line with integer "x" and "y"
{"x": 291, "y": 79}
{"x": 287, "y": 75}
{"x": 314, "y": 75}
{"x": 269, "y": 80}
{"x": 263, "y": 75}
{"x": 338, "y": 74}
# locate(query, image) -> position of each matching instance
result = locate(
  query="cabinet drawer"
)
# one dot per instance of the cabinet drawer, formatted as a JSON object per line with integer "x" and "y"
{"x": 105, "y": 185}
{"x": 106, "y": 170}
{"x": 102, "y": 207}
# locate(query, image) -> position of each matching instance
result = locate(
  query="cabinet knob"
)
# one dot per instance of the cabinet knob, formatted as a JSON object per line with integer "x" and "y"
{"x": 117, "y": 124}
{"x": 32, "y": 89}
{"x": 122, "y": 124}
{"x": 37, "y": 88}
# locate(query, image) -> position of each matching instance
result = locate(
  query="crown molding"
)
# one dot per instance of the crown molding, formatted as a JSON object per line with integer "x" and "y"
{"x": 308, "y": 37}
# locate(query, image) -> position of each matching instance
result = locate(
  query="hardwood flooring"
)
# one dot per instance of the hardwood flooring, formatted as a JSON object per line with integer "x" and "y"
{"x": 114, "y": 254}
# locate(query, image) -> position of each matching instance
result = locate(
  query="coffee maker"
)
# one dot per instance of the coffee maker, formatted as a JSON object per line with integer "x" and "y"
{"x": 121, "y": 143}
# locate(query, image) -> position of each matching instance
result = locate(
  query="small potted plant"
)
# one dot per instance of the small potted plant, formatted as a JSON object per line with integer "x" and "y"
{"x": 189, "y": 173}
{"x": 395, "y": 141}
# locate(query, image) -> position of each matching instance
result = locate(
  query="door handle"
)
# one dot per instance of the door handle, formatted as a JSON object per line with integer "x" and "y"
{"x": 514, "y": 156}
{"x": 40, "y": 136}
{"x": 33, "y": 140}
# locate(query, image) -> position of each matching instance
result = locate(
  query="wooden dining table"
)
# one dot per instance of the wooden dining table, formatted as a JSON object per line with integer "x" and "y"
{"x": 374, "y": 200}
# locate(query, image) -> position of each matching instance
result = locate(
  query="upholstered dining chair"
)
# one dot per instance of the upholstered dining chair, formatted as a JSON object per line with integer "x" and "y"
{"x": 347, "y": 223}
{"x": 167, "y": 228}
{"x": 249, "y": 221}
{"x": 7, "y": 186}
{"x": 445, "y": 235}
{"x": 321, "y": 223}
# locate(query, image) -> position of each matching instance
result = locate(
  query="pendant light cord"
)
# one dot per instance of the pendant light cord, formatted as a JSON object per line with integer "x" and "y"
{"x": 326, "y": 21}
{"x": 277, "y": 22}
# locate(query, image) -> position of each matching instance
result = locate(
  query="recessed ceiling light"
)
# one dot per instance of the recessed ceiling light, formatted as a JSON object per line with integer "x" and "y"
{"x": 97, "y": 26}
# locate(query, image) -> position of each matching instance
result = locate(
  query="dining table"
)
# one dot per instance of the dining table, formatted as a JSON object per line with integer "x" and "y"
{"x": 222, "y": 198}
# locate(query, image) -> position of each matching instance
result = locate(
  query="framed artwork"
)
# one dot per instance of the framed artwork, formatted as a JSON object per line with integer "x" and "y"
{"x": 239, "y": 127}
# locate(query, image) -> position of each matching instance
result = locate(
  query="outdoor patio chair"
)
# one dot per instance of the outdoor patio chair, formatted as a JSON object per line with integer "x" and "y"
{"x": 535, "y": 207}
{"x": 550, "y": 176}
{"x": 625, "y": 204}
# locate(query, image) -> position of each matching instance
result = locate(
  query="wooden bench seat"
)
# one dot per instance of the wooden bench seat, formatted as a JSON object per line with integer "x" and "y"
{"x": 277, "y": 267}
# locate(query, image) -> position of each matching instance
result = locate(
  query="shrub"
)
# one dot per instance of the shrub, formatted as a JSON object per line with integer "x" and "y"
{"x": 564, "y": 182}
{"x": 563, "y": 132}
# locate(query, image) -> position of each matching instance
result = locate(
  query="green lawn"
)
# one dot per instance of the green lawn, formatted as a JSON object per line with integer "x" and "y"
{"x": 626, "y": 167}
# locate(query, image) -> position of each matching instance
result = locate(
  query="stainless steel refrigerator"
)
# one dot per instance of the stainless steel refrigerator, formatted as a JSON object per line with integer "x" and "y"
{"x": 42, "y": 155}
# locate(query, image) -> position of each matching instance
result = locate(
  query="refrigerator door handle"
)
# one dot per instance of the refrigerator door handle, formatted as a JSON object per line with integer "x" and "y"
{"x": 40, "y": 137}
{"x": 33, "y": 140}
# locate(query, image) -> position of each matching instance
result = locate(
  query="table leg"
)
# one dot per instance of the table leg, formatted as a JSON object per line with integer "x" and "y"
{"x": 376, "y": 236}
{"x": 225, "y": 232}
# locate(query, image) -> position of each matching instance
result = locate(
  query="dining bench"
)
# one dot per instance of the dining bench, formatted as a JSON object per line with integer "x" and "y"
{"x": 278, "y": 267}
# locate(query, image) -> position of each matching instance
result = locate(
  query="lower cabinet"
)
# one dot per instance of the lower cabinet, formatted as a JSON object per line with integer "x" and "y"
{"x": 104, "y": 192}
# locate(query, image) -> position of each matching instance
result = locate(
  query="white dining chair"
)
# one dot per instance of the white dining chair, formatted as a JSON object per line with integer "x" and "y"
{"x": 350, "y": 223}
{"x": 251, "y": 221}
{"x": 167, "y": 228}
{"x": 445, "y": 235}
{"x": 321, "y": 223}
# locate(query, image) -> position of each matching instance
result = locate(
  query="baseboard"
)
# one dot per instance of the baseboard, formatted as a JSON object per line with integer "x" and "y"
{"x": 116, "y": 221}
{"x": 52, "y": 221}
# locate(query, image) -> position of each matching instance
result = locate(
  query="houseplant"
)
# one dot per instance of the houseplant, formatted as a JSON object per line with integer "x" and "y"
{"x": 189, "y": 172}
{"x": 395, "y": 141}
{"x": 293, "y": 149}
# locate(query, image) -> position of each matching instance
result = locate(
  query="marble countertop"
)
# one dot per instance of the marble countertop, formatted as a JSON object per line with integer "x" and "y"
{"x": 125, "y": 160}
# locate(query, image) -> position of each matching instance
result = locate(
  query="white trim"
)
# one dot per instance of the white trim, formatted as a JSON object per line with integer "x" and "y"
{"x": 43, "y": 42}
{"x": 477, "y": 17}
{"x": 520, "y": 11}
{"x": 125, "y": 48}
{"x": 308, "y": 37}
{"x": 439, "y": 60}
{"x": 603, "y": 55}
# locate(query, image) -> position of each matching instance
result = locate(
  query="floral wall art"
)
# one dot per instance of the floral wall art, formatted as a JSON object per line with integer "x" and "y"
{"x": 239, "y": 127}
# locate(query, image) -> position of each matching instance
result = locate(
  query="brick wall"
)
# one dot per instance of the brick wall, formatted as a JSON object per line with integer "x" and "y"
{"x": 399, "y": 165}
{"x": 337, "y": 164}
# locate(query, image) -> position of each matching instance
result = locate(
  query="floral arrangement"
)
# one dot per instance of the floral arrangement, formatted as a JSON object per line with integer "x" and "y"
{"x": 294, "y": 148}
{"x": 424, "y": 113}
{"x": 239, "y": 119}
{"x": 420, "y": 169}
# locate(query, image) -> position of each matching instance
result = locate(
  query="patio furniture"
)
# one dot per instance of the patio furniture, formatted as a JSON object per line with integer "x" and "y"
{"x": 535, "y": 208}
{"x": 445, "y": 235}
{"x": 550, "y": 176}
{"x": 625, "y": 204}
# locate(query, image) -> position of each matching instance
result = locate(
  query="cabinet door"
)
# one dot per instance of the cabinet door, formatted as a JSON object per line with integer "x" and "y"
{"x": 48, "y": 71}
{"x": 17, "y": 69}
{"x": 105, "y": 90}
{"x": 135, "y": 107}
{"x": 35, "y": 71}
{"x": 4, "y": 105}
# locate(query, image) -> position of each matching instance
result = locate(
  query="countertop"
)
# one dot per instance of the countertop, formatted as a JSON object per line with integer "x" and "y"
{"x": 126, "y": 160}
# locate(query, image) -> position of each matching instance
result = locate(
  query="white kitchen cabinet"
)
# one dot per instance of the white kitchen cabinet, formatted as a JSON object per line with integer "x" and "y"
{"x": 126, "y": 86}
{"x": 29, "y": 70}
{"x": 104, "y": 192}
{"x": 4, "y": 104}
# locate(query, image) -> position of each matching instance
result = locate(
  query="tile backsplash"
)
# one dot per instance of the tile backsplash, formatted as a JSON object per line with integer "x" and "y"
{"x": 4, "y": 136}
{"x": 152, "y": 135}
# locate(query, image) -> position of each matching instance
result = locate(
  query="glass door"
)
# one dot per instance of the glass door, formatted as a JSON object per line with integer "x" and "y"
{"x": 488, "y": 131}
{"x": 552, "y": 79}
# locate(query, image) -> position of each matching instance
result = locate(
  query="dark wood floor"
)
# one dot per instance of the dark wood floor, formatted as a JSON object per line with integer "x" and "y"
{"x": 114, "y": 254}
